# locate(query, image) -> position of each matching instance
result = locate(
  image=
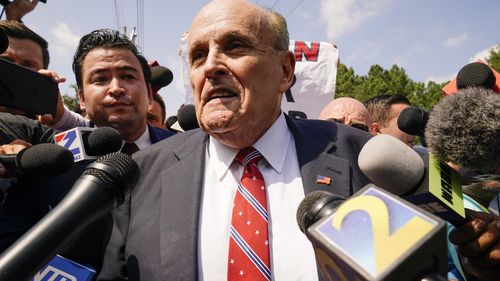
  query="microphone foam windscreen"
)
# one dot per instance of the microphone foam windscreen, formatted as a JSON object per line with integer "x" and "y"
{"x": 391, "y": 164}
{"x": 102, "y": 141}
{"x": 465, "y": 129}
{"x": 4, "y": 41}
{"x": 475, "y": 74}
{"x": 160, "y": 77}
{"x": 45, "y": 159}
{"x": 186, "y": 116}
{"x": 412, "y": 120}
{"x": 116, "y": 170}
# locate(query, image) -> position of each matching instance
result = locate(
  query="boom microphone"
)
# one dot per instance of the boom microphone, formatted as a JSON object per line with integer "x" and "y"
{"x": 41, "y": 160}
{"x": 102, "y": 187}
{"x": 90, "y": 143}
{"x": 421, "y": 179}
{"x": 373, "y": 236}
{"x": 464, "y": 129}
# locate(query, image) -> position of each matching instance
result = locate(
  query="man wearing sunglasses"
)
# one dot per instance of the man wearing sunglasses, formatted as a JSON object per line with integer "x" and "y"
{"x": 347, "y": 111}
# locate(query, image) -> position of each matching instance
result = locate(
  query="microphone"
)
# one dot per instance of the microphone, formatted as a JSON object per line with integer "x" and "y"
{"x": 464, "y": 129}
{"x": 373, "y": 235}
{"x": 420, "y": 178}
{"x": 4, "y": 41}
{"x": 186, "y": 116}
{"x": 475, "y": 74}
{"x": 160, "y": 77}
{"x": 102, "y": 187}
{"x": 412, "y": 120}
{"x": 89, "y": 143}
{"x": 41, "y": 160}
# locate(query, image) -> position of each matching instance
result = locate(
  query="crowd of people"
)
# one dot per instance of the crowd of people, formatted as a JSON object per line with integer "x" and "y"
{"x": 216, "y": 202}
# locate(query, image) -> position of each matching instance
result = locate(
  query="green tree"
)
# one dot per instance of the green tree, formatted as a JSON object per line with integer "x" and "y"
{"x": 71, "y": 101}
{"x": 380, "y": 81}
{"x": 494, "y": 59}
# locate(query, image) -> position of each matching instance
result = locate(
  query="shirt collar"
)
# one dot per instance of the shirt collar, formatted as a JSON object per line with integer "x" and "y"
{"x": 273, "y": 146}
{"x": 144, "y": 140}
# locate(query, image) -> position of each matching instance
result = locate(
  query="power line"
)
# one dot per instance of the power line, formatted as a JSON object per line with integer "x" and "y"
{"x": 293, "y": 9}
{"x": 274, "y": 4}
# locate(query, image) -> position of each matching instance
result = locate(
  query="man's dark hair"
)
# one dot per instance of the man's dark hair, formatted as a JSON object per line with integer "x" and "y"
{"x": 379, "y": 106}
{"x": 18, "y": 30}
{"x": 106, "y": 39}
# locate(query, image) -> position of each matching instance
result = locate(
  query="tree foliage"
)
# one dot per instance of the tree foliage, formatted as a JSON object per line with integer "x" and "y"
{"x": 381, "y": 81}
{"x": 71, "y": 101}
{"x": 494, "y": 59}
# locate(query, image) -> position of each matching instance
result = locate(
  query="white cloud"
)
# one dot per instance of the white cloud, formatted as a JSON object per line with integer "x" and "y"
{"x": 367, "y": 52}
{"x": 65, "y": 40}
{"x": 456, "y": 41}
{"x": 440, "y": 79}
{"x": 342, "y": 16}
{"x": 484, "y": 54}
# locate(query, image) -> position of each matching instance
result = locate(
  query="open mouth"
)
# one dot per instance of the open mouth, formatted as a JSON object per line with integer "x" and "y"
{"x": 222, "y": 95}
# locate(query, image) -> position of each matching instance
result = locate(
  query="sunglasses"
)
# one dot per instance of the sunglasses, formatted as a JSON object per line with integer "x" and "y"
{"x": 359, "y": 126}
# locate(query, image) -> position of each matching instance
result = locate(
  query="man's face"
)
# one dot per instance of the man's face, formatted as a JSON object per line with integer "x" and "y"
{"x": 24, "y": 52}
{"x": 236, "y": 75}
{"x": 154, "y": 116}
{"x": 391, "y": 127}
{"x": 114, "y": 92}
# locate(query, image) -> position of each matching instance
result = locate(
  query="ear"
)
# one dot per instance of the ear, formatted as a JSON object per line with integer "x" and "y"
{"x": 288, "y": 67}
{"x": 81, "y": 98}
{"x": 375, "y": 129}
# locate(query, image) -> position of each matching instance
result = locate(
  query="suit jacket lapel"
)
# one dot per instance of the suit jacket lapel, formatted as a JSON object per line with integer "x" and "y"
{"x": 314, "y": 146}
{"x": 180, "y": 210}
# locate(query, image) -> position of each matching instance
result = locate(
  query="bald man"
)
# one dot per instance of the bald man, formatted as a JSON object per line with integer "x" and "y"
{"x": 348, "y": 111}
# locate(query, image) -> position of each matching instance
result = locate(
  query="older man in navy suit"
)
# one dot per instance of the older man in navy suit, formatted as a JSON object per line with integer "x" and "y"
{"x": 197, "y": 213}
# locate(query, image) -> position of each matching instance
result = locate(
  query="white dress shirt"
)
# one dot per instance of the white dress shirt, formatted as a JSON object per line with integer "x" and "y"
{"x": 292, "y": 255}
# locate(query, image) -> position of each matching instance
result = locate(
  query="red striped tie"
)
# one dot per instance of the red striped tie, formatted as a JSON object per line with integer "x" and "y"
{"x": 249, "y": 257}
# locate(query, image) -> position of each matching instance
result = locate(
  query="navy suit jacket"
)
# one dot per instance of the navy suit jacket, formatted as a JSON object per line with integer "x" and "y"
{"x": 32, "y": 198}
{"x": 155, "y": 233}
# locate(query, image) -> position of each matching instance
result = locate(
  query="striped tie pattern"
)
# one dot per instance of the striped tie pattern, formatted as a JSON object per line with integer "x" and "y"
{"x": 249, "y": 257}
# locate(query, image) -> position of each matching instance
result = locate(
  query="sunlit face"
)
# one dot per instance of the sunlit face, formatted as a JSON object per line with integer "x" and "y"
{"x": 391, "y": 127}
{"x": 24, "y": 52}
{"x": 114, "y": 92}
{"x": 237, "y": 76}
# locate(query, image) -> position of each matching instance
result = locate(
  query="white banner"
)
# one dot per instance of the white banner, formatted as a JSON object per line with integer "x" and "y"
{"x": 314, "y": 81}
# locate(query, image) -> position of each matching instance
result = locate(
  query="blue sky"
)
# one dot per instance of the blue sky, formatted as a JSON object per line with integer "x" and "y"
{"x": 430, "y": 39}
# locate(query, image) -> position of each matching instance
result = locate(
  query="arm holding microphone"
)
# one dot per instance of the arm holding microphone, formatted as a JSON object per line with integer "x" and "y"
{"x": 11, "y": 148}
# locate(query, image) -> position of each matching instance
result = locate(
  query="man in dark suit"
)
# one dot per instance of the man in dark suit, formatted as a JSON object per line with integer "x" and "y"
{"x": 113, "y": 81}
{"x": 186, "y": 215}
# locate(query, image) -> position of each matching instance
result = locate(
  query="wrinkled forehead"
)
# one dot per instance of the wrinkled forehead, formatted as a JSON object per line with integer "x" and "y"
{"x": 217, "y": 17}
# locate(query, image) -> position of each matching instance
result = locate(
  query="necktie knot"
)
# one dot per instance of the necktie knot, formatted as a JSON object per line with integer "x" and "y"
{"x": 248, "y": 155}
{"x": 129, "y": 148}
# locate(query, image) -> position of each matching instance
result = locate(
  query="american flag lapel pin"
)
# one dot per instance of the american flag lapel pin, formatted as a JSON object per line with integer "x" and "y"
{"x": 323, "y": 180}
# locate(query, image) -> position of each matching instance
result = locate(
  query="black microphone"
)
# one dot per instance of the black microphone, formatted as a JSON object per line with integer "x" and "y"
{"x": 160, "y": 77}
{"x": 186, "y": 116}
{"x": 475, "y": 74}
{"x": 373, "y": 235}
{"x": 4, "y": 41}
{"x": 417, "y": 176}
{"x": 412, "y": 120}
{"x": 41, "y": 160}
{"x": 102, "y": 187}
{"x": 89, "y": 143}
